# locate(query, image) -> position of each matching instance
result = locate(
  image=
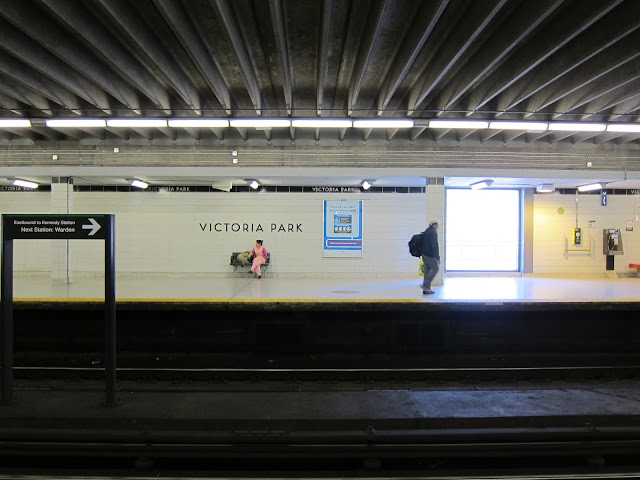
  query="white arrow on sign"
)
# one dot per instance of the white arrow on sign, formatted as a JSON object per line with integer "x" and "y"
{"x": 94, "y": 227}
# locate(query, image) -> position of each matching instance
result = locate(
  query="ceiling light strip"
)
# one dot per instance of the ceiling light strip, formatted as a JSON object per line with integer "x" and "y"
{"x": 262, "y": 123}
{"x": 198, "y": 122}
{"x": 383, "y": 123}
{"x": 15, "y": 123}
{"x": 137, "y": 122}
{"x": 76, "y": 123}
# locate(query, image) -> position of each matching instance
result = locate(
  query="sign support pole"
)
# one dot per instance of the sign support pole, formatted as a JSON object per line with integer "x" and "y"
{"x": 7, "y": 320}
{"x": 110, "y": 312}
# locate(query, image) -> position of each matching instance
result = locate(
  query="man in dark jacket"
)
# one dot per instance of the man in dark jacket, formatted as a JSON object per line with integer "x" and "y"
{"x": 430, "y": 255}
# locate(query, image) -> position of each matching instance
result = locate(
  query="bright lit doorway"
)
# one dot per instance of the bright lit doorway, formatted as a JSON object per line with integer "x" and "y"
{"x": 482, "y": 230}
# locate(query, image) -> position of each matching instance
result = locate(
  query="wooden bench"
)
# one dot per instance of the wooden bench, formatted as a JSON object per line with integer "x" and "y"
{"x": 637, "y": 267}
{"x": 235, "y": 263}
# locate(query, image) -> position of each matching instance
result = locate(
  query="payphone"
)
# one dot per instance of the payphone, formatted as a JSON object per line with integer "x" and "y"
{"x": 611, "y": 245}
{"x": 577, "y": 236}
{"x": 612, "y": 242}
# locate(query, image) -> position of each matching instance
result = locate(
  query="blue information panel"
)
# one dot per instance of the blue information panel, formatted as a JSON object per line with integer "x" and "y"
{"x": 342, "y": 228}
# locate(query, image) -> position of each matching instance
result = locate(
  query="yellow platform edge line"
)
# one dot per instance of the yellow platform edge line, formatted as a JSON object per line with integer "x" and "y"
{"x": 214, "y": 300}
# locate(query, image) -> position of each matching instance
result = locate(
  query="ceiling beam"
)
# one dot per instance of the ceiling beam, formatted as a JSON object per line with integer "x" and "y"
{"x": 282, "y": 43}
{"x": 36, "y": 81}
{"x": 629, "y": 137}
{"x": 615, "y": 61}
{"x": 462, "y": 134}
{"x": 37, "y": 57}
{"x": 416, "y": 132}
{"x": 143, "y": 38}
{"x": 598, "y": 96}
{"x": 64, "y": 47}
{"x": 438, "y": 134}
{"x": 459, "y": 43}
{"x": 365, "y": 54}
{"x": 73, "y": 133}
{"x": 533, "y": 54}
{"x": 534, "y": 137}
{"x": 23, "y": 133}
{"x": 48, "y": 133}
{"x": 509, "y": 135}
{"x": 25, "y": 95}
{"x": 624, "y": 102}
{"x": 323, "y": 53}
{"x": 421, "y": 29}
{"x": 559, "y": 136}
{"x": 11, "y": 104}
{"x": 623, "y": 107}
{"x": 391, "y": 133}
{"x": 112, "y": 53}
{"x": 240, "y": 50}
{"x": 574, "y": 55}
{"x": 183, "y": 29}
{"x": 514, "y": 31}
{"x": 489, "y": 134}
{"x": 218, "y": 132}
{"x": 244, "y": 133}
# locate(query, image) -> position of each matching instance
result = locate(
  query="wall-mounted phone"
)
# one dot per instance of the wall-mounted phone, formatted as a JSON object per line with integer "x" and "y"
{"x": 577, "y": 236}
{"x": 612, "y": 242}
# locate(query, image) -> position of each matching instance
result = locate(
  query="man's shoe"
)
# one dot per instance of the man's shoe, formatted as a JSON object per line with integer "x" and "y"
{"x": 259, "y": 277}
{"x": 427, "y": 291}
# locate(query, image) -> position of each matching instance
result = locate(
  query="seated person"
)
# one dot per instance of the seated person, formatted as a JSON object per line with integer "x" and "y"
{"x": 259, "y": 254}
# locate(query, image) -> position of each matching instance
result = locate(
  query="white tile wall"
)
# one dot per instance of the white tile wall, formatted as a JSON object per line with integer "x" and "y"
{"x": 161, "y": 232}
{"x": 550, "y": 228}
{"x": 28, "y": 255}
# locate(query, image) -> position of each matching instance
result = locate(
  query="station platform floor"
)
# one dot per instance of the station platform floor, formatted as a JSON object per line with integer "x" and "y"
{"x": 242, "y": 287}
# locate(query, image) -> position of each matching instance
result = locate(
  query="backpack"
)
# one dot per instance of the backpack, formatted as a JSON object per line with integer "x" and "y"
{"x": 415, "y": 245}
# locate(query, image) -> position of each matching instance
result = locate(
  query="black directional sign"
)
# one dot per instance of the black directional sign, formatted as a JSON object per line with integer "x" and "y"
{"x": 46, "y": 226}
{"x": 90, "y": 227}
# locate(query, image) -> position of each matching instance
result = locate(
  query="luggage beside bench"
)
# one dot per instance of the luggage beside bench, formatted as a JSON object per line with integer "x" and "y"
{"x": 235, "y": 263}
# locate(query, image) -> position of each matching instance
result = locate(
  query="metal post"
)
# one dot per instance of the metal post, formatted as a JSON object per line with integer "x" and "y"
{"x": 7, "y": 320}
{"x": 110, "y": 311}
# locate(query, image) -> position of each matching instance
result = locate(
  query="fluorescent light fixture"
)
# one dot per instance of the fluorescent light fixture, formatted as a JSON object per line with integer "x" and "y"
{"x": 76, "y": 123}
{"x": 14, "y": 123}
{"x": 366, "y": 185}
{"x": 577, "y": 127}
{"x": 545, "y": 188}
{"x": 470, "y": 124}
{"x": 254, "y": 184}
{"x": 260, "y": 122}
{"x": 481, "y": 184}
{"x": 137, "y": 122}
{"x": 513, "y": 125}
{"x": 591, "y": 186}
{"x": 383, "y": 123}
{"x": 139, "y": 183}
{"x": 321, "y": 123}
{"x": 24, "y": 183}
{"x": 624, "y": 127}
{"x": 199, "y": 122}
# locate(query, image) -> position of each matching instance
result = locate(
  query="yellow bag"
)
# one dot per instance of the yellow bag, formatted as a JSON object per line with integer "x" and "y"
{"x": 421, "y": 268}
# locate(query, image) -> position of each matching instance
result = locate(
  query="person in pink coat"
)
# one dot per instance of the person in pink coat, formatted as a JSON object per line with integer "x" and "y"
{"x": 259, "y": 254}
